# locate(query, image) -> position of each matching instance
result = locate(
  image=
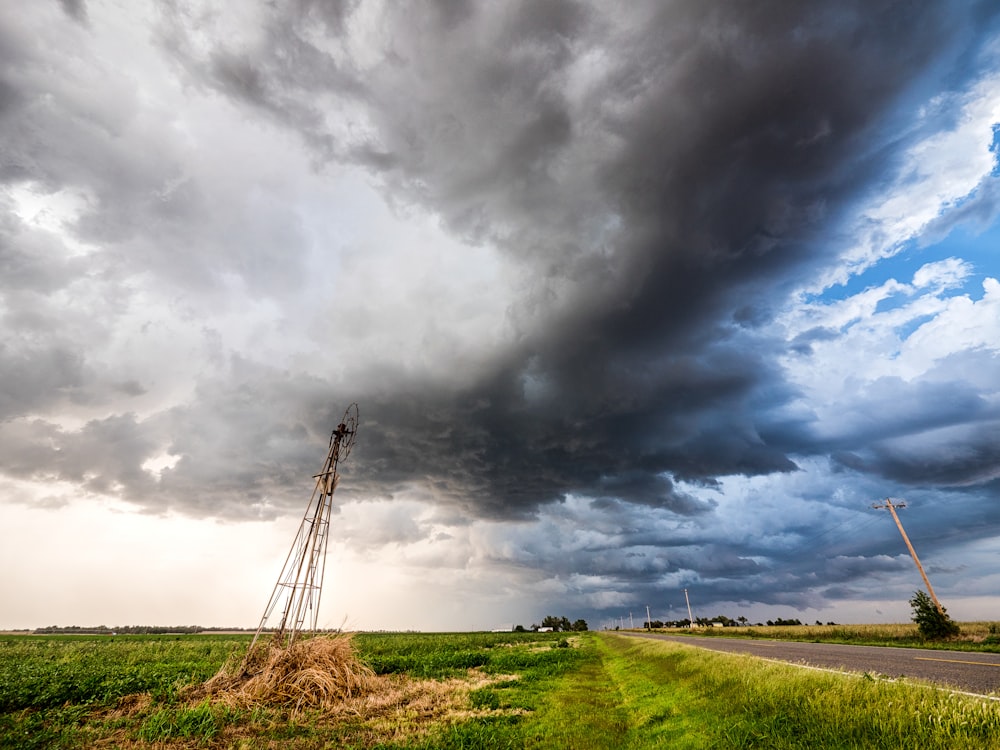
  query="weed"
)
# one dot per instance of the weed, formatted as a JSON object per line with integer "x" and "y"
{"x": 204, "y": 721}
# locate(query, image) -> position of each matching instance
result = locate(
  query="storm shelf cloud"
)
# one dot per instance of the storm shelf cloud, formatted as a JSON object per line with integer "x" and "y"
{"x": 632, "y": 299}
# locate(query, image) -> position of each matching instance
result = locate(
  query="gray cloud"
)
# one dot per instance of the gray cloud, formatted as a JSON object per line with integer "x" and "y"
{"x": 948, "y": 457}
{"x": 75, "y": 9}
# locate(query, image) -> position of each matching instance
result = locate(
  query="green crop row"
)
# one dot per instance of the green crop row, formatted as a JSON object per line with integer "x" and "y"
{"x": 49, "y": 671}
{"x": 437, "y": 655}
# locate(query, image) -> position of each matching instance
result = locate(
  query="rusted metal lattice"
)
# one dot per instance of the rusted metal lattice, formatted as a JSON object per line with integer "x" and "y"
{"x": 300, "y": 584}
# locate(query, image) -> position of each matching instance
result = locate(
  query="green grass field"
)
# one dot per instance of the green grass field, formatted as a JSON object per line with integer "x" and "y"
{"x": 974, "y": 636}
{"x": 481, "y": 690}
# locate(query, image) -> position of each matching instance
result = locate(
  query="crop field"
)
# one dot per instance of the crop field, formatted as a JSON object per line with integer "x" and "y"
{"x": 974, "y": 636}
{"x": 479, "y": 690}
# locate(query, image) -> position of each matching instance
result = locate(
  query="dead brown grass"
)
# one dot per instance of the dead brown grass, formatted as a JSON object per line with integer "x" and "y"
{"x": 321, "y": 683}
{"x": 321, "y": 672}
{"x": 398, "y": 709}
{"x": 130, "y": 705}
{"x": 404, "y": 708}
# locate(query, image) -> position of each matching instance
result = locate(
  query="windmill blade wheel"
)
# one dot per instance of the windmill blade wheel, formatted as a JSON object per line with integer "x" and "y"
{"x": 347, "y": 428}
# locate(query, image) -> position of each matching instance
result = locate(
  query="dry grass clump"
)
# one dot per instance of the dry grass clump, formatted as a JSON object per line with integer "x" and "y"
{"x": 321, "y": 672}
{"x": 129, "y": 705}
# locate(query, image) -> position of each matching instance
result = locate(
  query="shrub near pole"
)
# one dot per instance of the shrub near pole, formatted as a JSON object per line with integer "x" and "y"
{"x": 932, "y": 619}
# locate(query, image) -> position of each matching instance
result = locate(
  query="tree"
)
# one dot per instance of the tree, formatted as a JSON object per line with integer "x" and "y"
{"x": 561, "y": 624}
{"x": 782, "y": 621}
{"x": 931, "y": 623}
{"x": 557, "y": 623}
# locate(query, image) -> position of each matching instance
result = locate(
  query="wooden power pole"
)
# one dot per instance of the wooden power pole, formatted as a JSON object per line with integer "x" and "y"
{"x": 913, "y": 553}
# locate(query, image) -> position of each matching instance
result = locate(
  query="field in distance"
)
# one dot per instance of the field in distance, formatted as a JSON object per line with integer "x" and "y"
{"x": 974, "y": 636}
{"x": 476, "y": 690}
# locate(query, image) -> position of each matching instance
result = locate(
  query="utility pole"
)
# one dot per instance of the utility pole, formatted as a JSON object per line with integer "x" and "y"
{"x": 649, "y": 620}
{"x": 892, "y": 509}
{"x": 690, "y": 616}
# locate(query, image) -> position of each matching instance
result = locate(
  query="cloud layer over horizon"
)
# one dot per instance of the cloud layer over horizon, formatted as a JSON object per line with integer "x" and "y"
{"x": 630, "y": 301}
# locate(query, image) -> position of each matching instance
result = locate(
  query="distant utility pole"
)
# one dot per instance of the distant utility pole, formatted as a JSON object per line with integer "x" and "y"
{"x": 892, "y": 509}
{"x": 690, "y": 616}
{"x": 649, "y": 621}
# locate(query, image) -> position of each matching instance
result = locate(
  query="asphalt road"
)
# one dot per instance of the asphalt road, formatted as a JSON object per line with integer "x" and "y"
{"x": 962, "y": 670}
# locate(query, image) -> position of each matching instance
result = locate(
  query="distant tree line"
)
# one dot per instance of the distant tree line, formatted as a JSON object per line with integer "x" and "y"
{"x": 558, "y": 625}
{"x": 726, "y": 622}
{"x": 126, "y": 629}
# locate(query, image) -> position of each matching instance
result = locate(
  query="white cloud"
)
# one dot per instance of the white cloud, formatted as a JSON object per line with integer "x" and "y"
{"x": 929, "y": 339}
{"x": 936, "y": 175}
{"x": 943, "y": 274}
{"x": 964, "y": 325}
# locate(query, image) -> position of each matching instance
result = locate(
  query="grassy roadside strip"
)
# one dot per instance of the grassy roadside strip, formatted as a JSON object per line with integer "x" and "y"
{"x": 681, "y": 696}
{"x": 975, "y": 636}
{"x": 631, "y": 697}
{"x": 582, "y": 709}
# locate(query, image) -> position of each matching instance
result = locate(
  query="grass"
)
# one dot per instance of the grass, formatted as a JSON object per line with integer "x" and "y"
{"x": 483, "y": 690}
{"x": 974, "y": 636}
{"x": 203, "y": 721}
{"x": 725, "y": 700}
{"x": 49, "y": 671}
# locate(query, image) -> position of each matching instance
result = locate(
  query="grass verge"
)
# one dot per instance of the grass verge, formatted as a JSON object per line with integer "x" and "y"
{"x": 681, "y": 696}
{"x": 975, "y": 636}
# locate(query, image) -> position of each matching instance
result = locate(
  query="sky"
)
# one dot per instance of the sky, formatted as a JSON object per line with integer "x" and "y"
{"x": 633, "y": 298}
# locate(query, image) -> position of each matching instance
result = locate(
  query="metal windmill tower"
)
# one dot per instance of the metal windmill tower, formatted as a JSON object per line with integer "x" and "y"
{"x": 301, "y": 581}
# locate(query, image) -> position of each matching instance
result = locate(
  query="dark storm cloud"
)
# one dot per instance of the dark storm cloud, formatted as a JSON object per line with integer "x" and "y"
{"x": 949, "y": 457}
{"x": 656, "y": 491}
{"x": 656, "y": 170}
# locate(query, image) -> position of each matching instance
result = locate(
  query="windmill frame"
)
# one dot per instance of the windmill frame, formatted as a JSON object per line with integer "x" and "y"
{"x": 300, "y": 582}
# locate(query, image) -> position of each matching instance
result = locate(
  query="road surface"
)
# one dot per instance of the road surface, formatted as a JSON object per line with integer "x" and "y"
{"x": 962, "y": 670}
